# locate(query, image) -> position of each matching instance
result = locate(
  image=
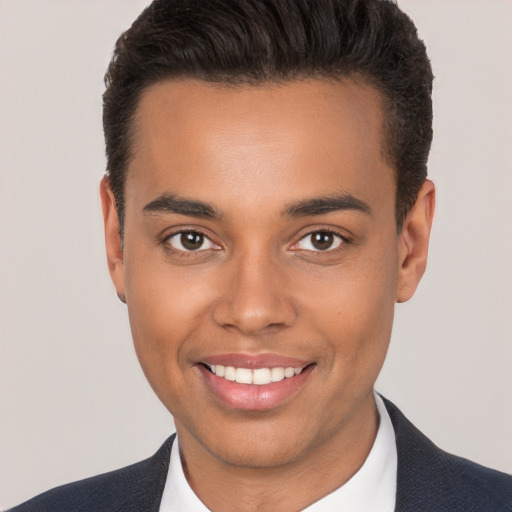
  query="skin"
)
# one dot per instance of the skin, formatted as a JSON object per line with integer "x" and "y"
{"x": 260, "y": 286}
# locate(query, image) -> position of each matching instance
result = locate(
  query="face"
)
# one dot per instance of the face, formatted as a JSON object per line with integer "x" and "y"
{"x": 261, "y": 262}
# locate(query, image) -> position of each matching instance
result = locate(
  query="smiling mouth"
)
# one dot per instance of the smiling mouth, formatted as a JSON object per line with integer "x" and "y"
{"x": 256, "y": 376}
{"x": 259, "y": 383}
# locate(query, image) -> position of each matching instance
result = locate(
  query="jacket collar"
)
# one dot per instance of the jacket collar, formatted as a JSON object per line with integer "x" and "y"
{"x": 422, "y": 473}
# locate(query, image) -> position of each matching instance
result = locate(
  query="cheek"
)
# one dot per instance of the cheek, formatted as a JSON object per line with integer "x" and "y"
{"x": 356, "y": 315}
{"x": 165, "y": 311}
{"x": 164, "y": 301}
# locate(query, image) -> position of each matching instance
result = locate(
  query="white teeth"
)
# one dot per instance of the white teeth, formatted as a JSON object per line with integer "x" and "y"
{"x": 289, "y": 372}
{"x": 258, "y": 376}
{"x": 243, "y": 376}
{"x": 261, "y": 376}
{"x": 277, "y": 374}
{"x": 229, "y": 373}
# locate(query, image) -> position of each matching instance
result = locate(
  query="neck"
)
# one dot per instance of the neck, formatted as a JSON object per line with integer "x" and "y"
{"x": 291, "y": 486}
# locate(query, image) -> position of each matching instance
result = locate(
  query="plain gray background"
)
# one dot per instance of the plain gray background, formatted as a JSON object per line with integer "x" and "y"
{"x": 73, "y": 400}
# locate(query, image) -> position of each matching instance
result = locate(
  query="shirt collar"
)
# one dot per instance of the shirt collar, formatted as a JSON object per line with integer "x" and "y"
{"x": 373, "y": 487}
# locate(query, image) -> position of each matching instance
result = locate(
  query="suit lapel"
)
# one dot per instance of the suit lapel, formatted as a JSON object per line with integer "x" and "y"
{"x": 147, "y": 484}
{"x": 424, "y": 471}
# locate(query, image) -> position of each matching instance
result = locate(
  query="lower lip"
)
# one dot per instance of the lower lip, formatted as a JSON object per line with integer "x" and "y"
{"x": 252, "y": 397}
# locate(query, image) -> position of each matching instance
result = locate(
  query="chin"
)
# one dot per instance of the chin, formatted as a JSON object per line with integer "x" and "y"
{"x": 257, "y": 447}
{"x": 259, "y": 456}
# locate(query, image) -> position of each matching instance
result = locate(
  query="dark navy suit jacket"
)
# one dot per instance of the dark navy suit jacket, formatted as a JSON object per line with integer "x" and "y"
{"x": 429, "y": 480}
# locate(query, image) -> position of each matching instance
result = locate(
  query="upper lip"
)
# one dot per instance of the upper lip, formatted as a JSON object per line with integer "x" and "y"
{"x": 267, "y": 360}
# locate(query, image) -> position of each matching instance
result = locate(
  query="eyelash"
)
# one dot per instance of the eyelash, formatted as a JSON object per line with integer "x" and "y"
{"x": 184, "y": 252}
{"x": 339, "y": 239}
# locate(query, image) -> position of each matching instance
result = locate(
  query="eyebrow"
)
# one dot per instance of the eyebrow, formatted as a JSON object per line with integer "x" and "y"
{"x": 171, "y": 203}
{"x": 326, "y": 204}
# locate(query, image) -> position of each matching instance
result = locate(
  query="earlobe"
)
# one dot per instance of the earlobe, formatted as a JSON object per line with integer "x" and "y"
{"x": 413, "y": 242}
{"x": 112, "y": 238}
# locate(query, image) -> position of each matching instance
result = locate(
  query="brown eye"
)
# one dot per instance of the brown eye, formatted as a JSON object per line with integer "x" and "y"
{"x": 190, "y": 241}
{"x": 320, "y": 241}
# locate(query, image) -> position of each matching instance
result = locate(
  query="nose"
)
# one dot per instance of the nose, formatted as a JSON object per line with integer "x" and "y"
{"x": 254, "y": 298}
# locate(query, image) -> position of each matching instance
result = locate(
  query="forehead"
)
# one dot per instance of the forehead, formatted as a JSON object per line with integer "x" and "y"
{"x": 199, "y": 139}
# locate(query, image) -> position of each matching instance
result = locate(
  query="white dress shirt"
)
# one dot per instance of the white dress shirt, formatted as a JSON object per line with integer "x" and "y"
{"x": 372, "y": 488}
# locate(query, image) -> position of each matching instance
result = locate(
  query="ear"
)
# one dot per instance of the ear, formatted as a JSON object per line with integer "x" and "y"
{"x": 112, "y": 238}
{"x": 413, "y": 242}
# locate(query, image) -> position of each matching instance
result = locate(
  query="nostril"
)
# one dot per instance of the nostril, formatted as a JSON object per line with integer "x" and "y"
{"x": 253, "y": 302}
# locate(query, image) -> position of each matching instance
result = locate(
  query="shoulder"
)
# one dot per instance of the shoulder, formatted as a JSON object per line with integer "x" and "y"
{"x": 432, "y": 479}
{"x": 136, "y": 487}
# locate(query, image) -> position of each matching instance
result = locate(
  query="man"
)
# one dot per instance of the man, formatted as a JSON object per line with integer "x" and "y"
{"x": 265, "y": 206}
